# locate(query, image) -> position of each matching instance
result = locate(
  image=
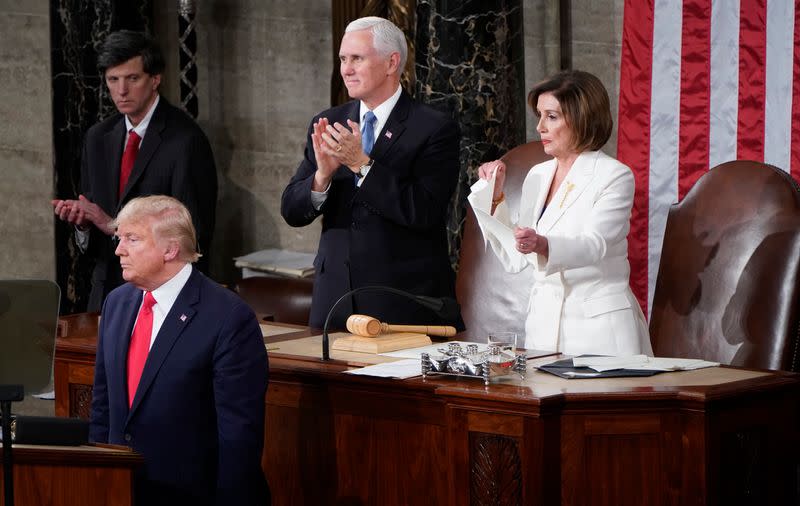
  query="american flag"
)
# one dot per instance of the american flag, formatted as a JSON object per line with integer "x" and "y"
{"x": 702, "y": 82}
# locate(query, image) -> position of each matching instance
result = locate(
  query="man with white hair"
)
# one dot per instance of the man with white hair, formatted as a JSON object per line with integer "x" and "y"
{"x": 181, "y": 368}
{"x": 380, "y": 170}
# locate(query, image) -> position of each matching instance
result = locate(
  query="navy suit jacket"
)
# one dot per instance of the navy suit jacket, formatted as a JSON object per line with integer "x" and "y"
{"x": 198, "y": 414}
{"x": 174, "y": 159}
{"x": 391, "y": 231}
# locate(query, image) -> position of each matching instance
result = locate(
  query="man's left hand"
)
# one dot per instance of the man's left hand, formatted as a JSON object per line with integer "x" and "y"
{"x": 345, "y": 145}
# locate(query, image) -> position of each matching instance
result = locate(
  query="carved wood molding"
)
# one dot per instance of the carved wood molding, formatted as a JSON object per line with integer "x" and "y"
{"x": 80, "y": 401}
{"x": 744, "y": 460}
{"x": 495, "y": 471}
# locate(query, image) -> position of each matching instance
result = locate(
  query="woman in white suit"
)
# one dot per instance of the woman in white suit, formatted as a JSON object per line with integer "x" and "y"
{"x": 572, "y": 226}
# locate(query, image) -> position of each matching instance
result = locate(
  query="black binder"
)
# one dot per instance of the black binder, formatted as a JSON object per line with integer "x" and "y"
{"x": 566, "y": 369}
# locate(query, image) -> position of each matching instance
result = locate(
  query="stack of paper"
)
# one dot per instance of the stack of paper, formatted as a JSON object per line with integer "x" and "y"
{"x": 641, "y": 362}
{"x": 401, "y": 369}
{"x": 285, "y": 263}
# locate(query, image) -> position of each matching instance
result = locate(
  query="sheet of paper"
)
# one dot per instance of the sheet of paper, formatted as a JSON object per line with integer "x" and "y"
{"x": 270, "y": 329}
{"x": 290, "y": 263}
{"x": 483, "y": 192}
{"x": 679, "y": 364}
{"x": 400, "y": 369}
{"x": 642, "y": 362}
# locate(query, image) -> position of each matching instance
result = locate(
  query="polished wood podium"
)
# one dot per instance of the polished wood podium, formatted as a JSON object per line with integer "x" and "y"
{"x": 717, "y": 436}
{"x": 72, "y": 475}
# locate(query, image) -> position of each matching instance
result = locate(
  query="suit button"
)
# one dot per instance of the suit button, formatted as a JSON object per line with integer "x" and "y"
{"x": 128, "y": 437}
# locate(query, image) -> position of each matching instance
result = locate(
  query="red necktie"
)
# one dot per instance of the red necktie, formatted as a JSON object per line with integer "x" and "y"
{"x": 140, "y": 344}
{"x": 128, "y": 157}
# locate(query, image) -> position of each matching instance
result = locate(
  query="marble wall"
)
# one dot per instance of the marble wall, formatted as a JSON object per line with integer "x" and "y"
{"x": 596, "y": 48}
{"x": 470, "y": 65}
{"x": 264, "y": 69}
{"x": 26, "y": 155}
{"x": 542, "y": 49}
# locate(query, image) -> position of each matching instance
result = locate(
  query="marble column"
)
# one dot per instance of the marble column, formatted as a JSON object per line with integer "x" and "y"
{"x": 80, "y": 99}
{"x": 470, "y": 64}
{"x": 187, "y": 44}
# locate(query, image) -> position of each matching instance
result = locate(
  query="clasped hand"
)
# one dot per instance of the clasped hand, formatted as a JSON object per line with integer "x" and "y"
{"x": 336, "y": 145}
{"x": 82, "y": 213}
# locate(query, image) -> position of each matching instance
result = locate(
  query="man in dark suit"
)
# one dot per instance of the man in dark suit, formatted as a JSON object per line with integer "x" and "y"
{"x": 181, "y": 368}
{"x": 380, "y": 170}
{"x": 149, "y": 148}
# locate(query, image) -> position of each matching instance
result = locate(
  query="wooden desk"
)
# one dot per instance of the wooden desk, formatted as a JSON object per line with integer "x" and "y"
{"x": 708, "y": 437}
{"x": 72, "y": 475}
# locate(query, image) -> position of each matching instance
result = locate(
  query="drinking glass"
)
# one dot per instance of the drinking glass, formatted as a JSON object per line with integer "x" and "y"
{"x": 506, "y": 340}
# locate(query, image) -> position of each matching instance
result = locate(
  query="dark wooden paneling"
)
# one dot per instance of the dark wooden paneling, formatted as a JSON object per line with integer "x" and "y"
{"x": 69, "y": 476}
{"x": 340, "y": 439}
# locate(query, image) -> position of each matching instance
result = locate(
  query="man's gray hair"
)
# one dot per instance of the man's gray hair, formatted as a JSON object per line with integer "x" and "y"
{"x": 387, "y": 38}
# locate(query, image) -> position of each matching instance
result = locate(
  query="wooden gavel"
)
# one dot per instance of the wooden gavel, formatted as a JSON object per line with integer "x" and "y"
{"x": 367, "y": 326}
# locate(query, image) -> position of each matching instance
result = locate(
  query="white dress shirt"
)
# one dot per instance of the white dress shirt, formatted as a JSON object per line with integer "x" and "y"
{"x": 165, "y": 297}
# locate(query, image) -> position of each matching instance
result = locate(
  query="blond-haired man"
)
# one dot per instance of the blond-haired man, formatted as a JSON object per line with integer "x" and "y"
{"x": 181, "y": 368}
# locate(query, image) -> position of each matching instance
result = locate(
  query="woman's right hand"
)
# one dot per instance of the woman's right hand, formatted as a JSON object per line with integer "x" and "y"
{"x": 485, "y": 172}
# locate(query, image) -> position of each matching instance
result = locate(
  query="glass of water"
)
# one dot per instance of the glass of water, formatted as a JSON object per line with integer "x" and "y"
{"x": 507, "y": 341}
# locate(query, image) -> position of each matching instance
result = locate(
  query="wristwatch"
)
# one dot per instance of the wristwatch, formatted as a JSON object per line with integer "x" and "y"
{"x": 364, "y": 169}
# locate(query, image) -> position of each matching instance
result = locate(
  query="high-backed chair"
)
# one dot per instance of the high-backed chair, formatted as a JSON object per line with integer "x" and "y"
{"x": 728, "y": 287}
{"x": 285, "y": 300}
{"x": 492, "y": 299}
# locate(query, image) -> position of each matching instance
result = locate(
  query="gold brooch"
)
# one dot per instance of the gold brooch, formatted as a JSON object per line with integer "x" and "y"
{"x": 569, "y": 188}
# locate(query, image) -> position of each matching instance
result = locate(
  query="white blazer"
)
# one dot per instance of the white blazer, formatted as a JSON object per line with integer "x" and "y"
{"x": 580, "y": 301}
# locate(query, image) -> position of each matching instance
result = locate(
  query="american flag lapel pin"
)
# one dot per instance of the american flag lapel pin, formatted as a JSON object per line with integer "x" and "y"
{"x": 388, "y": 134}
{"x": 183, "y": 317}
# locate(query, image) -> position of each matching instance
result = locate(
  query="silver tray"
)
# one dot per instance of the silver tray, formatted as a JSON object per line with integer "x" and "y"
{"x": 467, "y": 362}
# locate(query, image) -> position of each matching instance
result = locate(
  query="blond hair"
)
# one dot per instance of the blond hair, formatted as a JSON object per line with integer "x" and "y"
{"x": 171, "y": 221}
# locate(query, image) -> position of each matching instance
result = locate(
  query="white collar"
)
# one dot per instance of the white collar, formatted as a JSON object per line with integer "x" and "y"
{"x": 166, "y": 294}
{"x": 383, "y": 111}
{"x": 141, "y": 128}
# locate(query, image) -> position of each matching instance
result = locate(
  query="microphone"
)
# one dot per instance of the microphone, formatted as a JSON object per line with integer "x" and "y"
{"x": 444, "y": 307}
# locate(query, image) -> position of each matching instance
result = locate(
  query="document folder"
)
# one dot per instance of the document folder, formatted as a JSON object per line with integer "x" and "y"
{"x": 566, "y": 369}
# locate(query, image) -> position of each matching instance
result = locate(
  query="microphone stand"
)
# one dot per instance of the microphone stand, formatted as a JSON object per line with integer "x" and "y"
{"x": 8, "y": 394}
{"x": 444, "y": 307}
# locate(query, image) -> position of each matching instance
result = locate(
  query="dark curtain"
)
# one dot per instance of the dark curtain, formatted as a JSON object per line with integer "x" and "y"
{"x": 80, "y": 99}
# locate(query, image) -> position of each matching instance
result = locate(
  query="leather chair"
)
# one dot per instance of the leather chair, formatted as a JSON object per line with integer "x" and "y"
{"x": 285, "y": 300}
{"x": 728, "y": 286}
{"x": 492, "y": 299}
